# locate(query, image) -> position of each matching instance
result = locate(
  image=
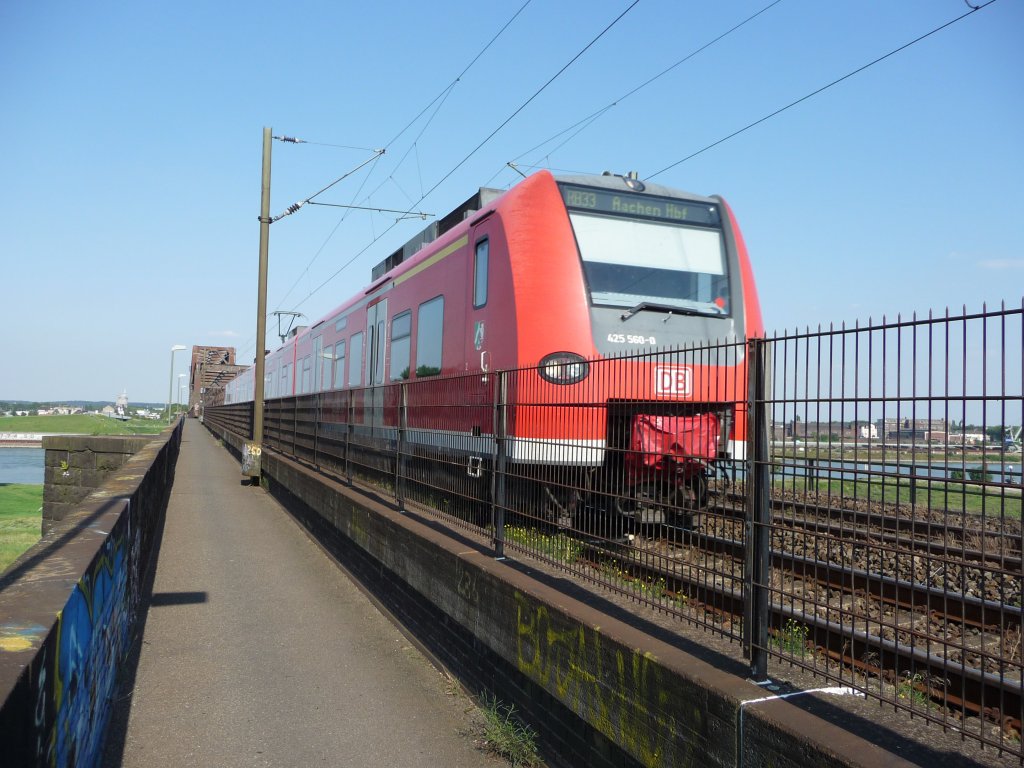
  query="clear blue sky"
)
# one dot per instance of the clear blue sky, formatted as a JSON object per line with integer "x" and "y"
{"x": 130, "y": 170}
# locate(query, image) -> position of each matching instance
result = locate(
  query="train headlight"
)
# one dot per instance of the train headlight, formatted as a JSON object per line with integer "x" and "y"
{"x": 563, "y": 368}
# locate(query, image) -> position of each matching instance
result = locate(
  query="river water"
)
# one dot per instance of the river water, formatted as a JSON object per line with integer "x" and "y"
{"x": 21, "y": 465}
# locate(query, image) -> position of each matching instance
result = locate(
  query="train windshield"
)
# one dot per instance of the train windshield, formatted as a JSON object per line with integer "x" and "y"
{"x": 632, "y": 255}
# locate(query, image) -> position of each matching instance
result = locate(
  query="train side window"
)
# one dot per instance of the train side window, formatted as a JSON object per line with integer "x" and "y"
{"x": 480, "y": 274}
{"x": 429, "y": 334}
{"x": 307, "y": 375}
{"x": 401, "y": 340}
{"x": 339, "y": 365}
{"x": 355, "y": 360}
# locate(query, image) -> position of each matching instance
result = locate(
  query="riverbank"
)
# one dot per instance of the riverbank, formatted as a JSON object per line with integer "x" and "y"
{"x": 21, "y": 519}
{"x": 79, "y": 424}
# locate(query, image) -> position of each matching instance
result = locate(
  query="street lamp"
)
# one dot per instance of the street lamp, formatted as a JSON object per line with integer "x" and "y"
{"x": 180, "y": 387}
{"x": 170, "y": 385}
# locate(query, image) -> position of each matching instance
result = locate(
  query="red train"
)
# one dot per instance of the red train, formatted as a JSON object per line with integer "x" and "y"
{"x": 579, "y": 281}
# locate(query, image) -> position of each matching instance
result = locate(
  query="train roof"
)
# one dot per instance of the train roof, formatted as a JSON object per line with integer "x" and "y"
{"x": 402, "y": 258}
{"x": 484, "y": 196}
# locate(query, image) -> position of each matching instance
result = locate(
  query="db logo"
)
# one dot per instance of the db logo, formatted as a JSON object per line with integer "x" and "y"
{"x": 673, "y": 380}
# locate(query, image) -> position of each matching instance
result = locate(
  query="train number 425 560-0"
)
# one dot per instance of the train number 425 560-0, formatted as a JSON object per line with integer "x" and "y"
{"x": 628, "y": 338}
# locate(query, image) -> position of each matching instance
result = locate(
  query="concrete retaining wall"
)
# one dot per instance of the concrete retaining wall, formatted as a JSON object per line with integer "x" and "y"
{"x": 601, "y": 691}
{"x": 68, "y": 608}
{"x": 76, "y": 465}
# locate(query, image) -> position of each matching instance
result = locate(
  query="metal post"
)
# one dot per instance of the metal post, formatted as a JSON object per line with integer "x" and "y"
{"x": 295, "y": 424}
{"x": 253, "y": 450}
{"x": 317, "y": 418}
{"x": 170, "y": 386}
{"x": 403, "y": 425}
{"x": 349, "y": 415}
{"x": 758, "y": 519}
{"x": 500, "y": 462}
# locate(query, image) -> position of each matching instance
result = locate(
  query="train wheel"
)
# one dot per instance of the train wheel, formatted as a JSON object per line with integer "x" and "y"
{"x": 692, "y": 497}
{"x": 559, "y": 505}
{"x": 664, "y": 501}
{"x": 649, "y": 503}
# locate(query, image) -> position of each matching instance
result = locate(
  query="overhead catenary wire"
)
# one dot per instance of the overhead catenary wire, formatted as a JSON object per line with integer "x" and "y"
{"x": 439, "y": 101}
{"x": 462, "y": 74}
{"x": 323, "y": 245}
{"x": 476, "y": 149}
{"x": 411, "y": 214}
{"x": 822, "y": 89}
{"x": 537, "y": 93}
{"x": 294, "y": 140}
{"x": 587, "y": 121}
{"x": 972, "y": 9}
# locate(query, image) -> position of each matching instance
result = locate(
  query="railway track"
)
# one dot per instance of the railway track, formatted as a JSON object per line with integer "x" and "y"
{"x": 945, "y": 638}
{"x": 934, "y": 537}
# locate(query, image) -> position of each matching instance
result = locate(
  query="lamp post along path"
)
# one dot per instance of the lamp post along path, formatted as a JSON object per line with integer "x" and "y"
{"x": 170, "y": 386}
{"x": 181, "y": 390}
{"x": 251, "y": 466}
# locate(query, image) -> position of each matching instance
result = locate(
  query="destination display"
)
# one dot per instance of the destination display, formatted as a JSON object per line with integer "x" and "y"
{"x": 641, "y": 206}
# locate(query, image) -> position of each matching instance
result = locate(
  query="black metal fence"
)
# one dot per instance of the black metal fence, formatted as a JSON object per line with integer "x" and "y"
{"x": 861, "y": 517}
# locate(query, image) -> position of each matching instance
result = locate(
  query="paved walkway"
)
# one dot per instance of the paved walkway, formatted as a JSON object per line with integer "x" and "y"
{"x": 259, "y": 651}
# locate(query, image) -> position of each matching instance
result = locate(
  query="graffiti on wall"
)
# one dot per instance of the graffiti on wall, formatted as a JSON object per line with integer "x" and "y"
{"x": 75, "y": 690}
{"x": 620, "y": 692}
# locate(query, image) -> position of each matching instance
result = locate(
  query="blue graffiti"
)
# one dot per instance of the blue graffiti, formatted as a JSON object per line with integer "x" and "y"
{"x": 92, "y": 639}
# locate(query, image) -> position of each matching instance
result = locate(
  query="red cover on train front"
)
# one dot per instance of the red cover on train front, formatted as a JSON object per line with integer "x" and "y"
{"x": 683, "y": 438}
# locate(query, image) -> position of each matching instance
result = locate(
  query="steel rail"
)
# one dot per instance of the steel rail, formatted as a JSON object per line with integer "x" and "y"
{"x": 888, "y": 527}
{"x": 976, "y": 686}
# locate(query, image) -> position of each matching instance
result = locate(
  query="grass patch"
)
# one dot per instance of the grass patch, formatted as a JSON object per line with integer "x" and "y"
{"x": 506, "y": 736}
{"x": 791, "y": 638}
{"x": 82, "y": 424}
{"x": 650, "y": 588}
{"x": 555, "y": 546}
{"x": 932, "y": 494}
{"x": 21, "y": 519}
{"x": 912, "y": 688}
{"x": 887, "y": 455}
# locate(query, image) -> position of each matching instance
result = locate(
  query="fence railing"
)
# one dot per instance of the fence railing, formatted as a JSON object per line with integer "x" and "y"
{"x": 861, "y": 517}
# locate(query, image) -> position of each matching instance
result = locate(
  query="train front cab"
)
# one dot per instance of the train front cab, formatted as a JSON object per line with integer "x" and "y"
{"x": 645, "y": 395}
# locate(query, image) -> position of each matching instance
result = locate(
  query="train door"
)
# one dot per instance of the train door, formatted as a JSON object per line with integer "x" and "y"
{"x": 318, "y": 363}
{"x": 477, "y": 332}
{"x": 376, "y": 345}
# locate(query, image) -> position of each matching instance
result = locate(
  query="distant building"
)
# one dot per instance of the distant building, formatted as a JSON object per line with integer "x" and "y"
{"x": 967, "y": 438}
{"x": 927, "y": 430}
{"x": 59, "y": 410}
{"x": 867, "y": 431}
{"x": 212, "y": 368}
{"x": 828, "y": 430}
